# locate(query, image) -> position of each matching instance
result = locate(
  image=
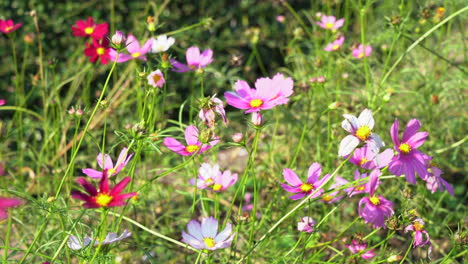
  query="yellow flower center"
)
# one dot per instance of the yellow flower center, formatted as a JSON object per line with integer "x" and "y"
{"x": 360, "y": 188}
{"x": 111, "y": 172}
{"x": 89, "y": 30}
{"x": 361, "y": 55}
{"x": 327, "y": 198}
{"x": 192, "y": 148}
{"x": 363, "y": 160}
{"x": 103, "y": 199}
{"x": 335, "y": 47}
{"x": 363, "y": 133}
{"x": 100, "y": 51}
{"x": 375, "y": 200}
{"x": 7, "y": 29}
{"x": 156, "y": 78}
{"x": 136, "y": 54}
{"x": 306, "y": 187}
{"x": 209, "y": 181}
{"x": 217, "y": 187}
{"x": 256, "y": 103}
{"x": 418, "y": 226}
{"x": 405, "y": 148}
{"x": 329, "y": 25}
{"x": 209, "y": 242}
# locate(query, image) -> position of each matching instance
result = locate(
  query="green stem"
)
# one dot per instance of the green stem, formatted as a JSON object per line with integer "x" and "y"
{"x": 7, "y": 238}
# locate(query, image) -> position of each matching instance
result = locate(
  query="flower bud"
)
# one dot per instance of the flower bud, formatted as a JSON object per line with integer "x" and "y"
{"x": 394, "y": 258}
{"x": 237, "y": 137}
{"x": 335, "y": 105}
{"x": 257, "y": 119}
{"x": 118, "y": 38}
{"x": 321, "y": 79}
{"x": 71, "y": 111}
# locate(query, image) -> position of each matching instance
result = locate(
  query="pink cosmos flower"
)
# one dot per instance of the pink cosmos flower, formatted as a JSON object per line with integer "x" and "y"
{"x": 98, "y": 49}
{"x": 156, "y": 79}
{"x": 360, "y": 130}
{"x": 280, "y": 18}
{"x": 332, "y": 197}
{"x": 419, "y": 233}
{"x": 5, "y": 203}
{"x": 304, "y": 189}
{"x": 205, "y": 235}
{"x": 434, "y": 181}
{"x": 106, "y": 164}
{"x": 104, "y": 196}
{"x": 208, "y": 109}
{"x": 134, "y": 50}
{"x": 2, "y": 101}
{"x": 268, "y": 93}
{"x": 361, "y": 51}
{"x": 409, "y": 160}
{"x": 368, "y": 159}
{"x": 194, "y": 145}
{"x": 374, "y": 209}
{"x": 359, "y": 248}
{"x": 335, "y": 45}
{"x": 365, "y": 187}
{"x": 8, "y": 26}
{"x": 195, "y": 60}
{"x": 75, "y": 244}
{"x": 210, "y": 177}
{"x": 89, "y": 29}
{"x": 118, "y": 38}
{"x": 306, "y": 224}
{"x": 330, "y": 22}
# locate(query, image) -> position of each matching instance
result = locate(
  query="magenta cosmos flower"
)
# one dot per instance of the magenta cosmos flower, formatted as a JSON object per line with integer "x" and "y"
{"x": 421, "y": 237}
{"x": 98, "y": 49}
{"x": 88, "y": 28}
{"x": 306, "y": 224}
{"x": 330, "y": 22}
{"x": 106, "y": 164}
{"x": 304, "y": 189}
{"x": 2, "y": 102}
{"x": 211, "y": 177}
{"x": 360, "y": 130}
{"x": 6, "y": 203}
{"x": 434, "y": 181}
{"x": 409, "y": 160}
{"x": 268, "y": 93}
{"x": 375, "y": 209}
{"x": 361, "y": 51}
{"x": 368, "y": 159}
{"x": 335, "y": 45}
{"x": 104, "y": 196}
{"x": 194, "y": 145}
{"x": 134, "y": 50}
{"x": 209, "y": 107}
{"x": 8, "y": 26}
{"x": 195, "y": 60}
{"x": 156, "y": 79}
{"x": 363, "y": 187}
{"x": 205, "y": 235}
{"x": 360, "y": 248}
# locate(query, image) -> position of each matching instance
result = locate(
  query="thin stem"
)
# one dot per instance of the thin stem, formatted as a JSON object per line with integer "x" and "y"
{"x": 7, "y": 238}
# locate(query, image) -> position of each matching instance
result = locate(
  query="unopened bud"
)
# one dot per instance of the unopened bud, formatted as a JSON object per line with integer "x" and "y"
{"x": 394, "y": 258}
{"x": 118, "y": 38}
{"x": 79, "y": 112}
{"x": 71, "y": 111}
{"x": 205, "y": 136}
{"x": 50, "y": 199}
{"x": 29, "y": 38}
{"x": 237, "y": 137}
{"x": 257, "y": 119}
{"x": 104, "y": 103}
{"x": 335, "y": 105}
{"x": 199, "y": 71}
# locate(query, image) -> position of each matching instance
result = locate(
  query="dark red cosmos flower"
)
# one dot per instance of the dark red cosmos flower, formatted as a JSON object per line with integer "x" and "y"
{"x": 104, "y": 196}
{"x": 98, "y": 49}
{"x": 89, "y": 29}
{"x": 7, "y": 26}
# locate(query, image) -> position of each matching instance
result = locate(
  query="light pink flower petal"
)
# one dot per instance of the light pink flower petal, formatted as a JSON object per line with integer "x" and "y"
{"x": 108, "y": 164}
{"x": 223, "y": 235}
{"x": 347, "y": 145}
{"x": 291, "y": 177}
{"x": 193, "y": 56}
{"x": 94, "y": 174}
{"x": 179, "y": 67}
{"x": 132, "y": 44}
{"x": 174, "y": 145}
{"x": 314, "y": 172}
{"x": 206, "y": 57}
{"x": 366, "y": 119}
{"x": 191, "y": 135}
{"x": 394, "y": 132}
{"x": 192, "y": 241}
{"x": 209, "y": 227}
{"x": 147, "y": 46}
{"x": 194, "y": 229}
